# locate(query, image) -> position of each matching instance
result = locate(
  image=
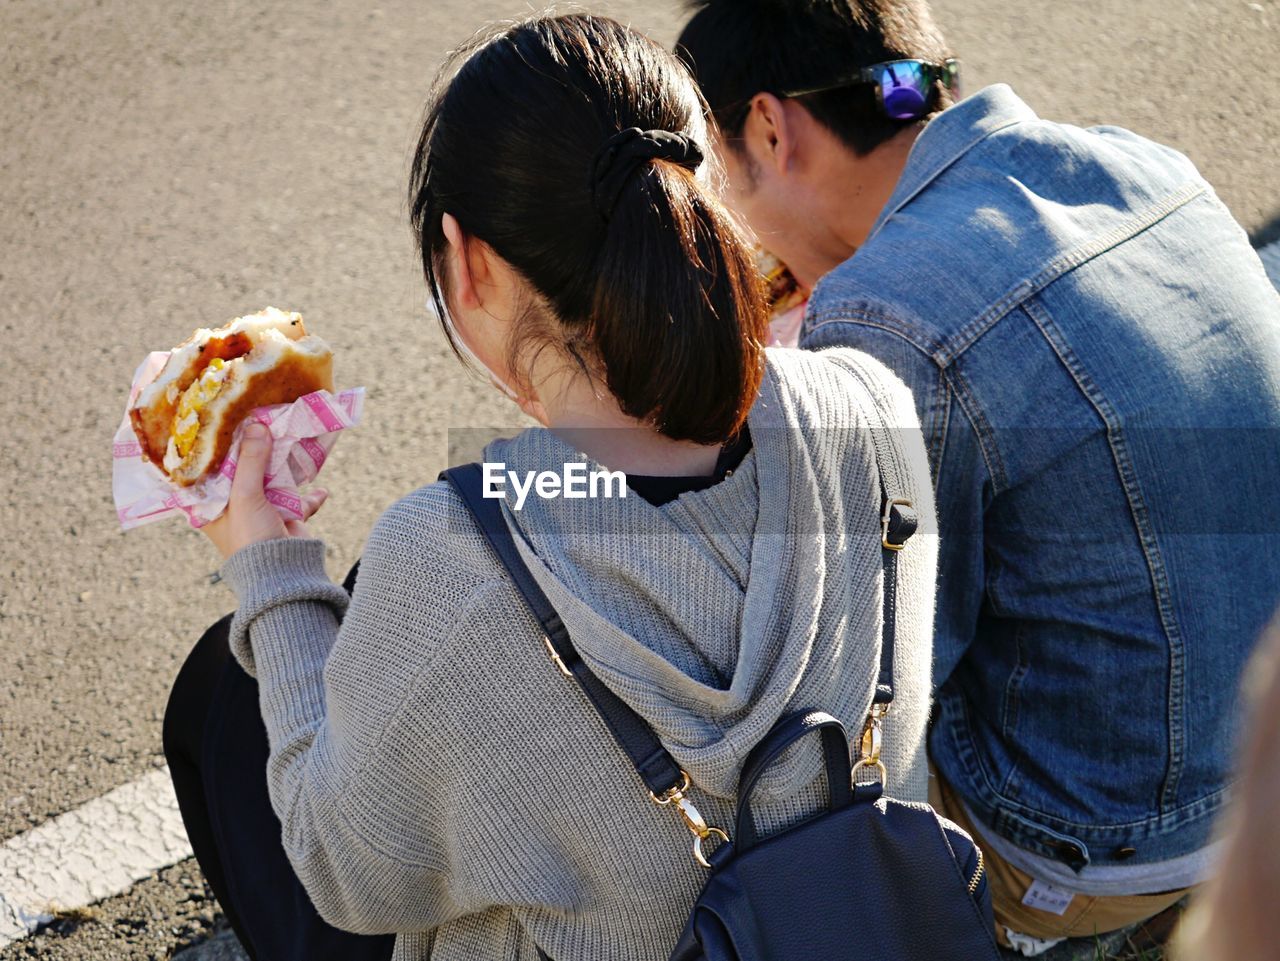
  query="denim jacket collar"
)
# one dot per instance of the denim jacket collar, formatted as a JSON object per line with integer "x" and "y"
{"x": 948, "y": 137}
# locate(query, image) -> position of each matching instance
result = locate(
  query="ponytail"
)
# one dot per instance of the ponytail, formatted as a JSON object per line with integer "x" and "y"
{"x": 573, "y": 147}
{"x": 679, "y": 309}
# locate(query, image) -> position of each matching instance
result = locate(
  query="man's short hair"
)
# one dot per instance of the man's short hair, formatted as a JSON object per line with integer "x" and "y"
{"x": 739, "y": 48}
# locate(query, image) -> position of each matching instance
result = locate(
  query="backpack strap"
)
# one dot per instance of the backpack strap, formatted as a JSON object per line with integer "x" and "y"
{"x": 657, "y": 768}
{"x": 898, "y": 522}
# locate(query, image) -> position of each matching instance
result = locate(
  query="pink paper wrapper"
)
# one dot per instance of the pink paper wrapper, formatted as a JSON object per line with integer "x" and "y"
{"x": 302, "y": 434}
{"x": 784, "y": 328}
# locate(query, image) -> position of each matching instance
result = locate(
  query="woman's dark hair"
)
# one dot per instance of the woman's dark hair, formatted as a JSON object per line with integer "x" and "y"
{"x": 739, "y": 48}
{"x": 663, "y": 295}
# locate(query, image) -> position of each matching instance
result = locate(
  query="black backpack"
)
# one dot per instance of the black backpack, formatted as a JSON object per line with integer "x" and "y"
{"x": 869, "y": 878}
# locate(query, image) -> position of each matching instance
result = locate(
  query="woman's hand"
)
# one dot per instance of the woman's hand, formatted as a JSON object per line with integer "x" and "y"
{"x": 249, "y": 516}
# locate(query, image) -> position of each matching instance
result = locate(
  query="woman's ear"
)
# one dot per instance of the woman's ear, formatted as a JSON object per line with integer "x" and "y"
{"x": 462, "y": 279}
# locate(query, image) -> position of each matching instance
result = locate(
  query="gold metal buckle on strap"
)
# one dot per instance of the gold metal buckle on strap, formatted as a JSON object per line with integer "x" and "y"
{"x": 869, "y": 748}
{"x": 889, "y": 505}
{"x": 692, "y": 818}
{"x": 556, "y": 659}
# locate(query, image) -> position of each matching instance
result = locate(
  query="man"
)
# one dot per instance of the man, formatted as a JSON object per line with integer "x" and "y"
{"x": 1095, "y": 353}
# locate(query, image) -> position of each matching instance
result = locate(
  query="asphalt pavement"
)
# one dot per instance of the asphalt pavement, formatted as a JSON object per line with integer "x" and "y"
{"x": 170, "y": 165}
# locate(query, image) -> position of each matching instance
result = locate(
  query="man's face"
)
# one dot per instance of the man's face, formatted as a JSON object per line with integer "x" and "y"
{"x": 808, "y": 198}
{"x": 775, "y": 208}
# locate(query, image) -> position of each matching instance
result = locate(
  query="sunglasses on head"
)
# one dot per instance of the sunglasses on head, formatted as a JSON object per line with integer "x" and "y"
{"x": 903, "y": 87}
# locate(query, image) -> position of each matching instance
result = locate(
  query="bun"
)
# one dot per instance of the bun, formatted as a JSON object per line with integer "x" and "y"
{"x": 186, "y": 417}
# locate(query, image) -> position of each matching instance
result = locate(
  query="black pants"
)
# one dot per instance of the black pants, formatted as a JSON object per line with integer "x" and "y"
{"x": 216, "y": 745}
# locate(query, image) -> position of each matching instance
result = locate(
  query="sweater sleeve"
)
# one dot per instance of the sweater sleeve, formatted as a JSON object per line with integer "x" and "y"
{"x": 284, "y": 578}
{"x": 336, "y": 700}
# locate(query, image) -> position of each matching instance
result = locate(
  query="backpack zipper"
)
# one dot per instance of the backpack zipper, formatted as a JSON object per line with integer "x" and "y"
{"x": 977, "y": 873}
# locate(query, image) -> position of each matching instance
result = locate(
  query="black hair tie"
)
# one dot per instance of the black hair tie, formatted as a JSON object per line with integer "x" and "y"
{"x": 626, "y": 151}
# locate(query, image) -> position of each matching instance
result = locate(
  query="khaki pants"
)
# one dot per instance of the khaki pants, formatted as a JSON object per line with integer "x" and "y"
{"x": 1084, "y": 917}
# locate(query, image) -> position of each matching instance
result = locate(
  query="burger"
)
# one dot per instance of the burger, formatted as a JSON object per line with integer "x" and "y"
{"x": 783, "y": 290}
{"x": 186, "y": 417}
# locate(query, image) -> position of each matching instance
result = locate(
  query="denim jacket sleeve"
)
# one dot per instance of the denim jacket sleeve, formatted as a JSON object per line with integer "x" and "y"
{"x": 959, "y": 462}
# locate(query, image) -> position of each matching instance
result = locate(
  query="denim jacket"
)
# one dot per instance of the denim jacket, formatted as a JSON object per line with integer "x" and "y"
{"x": 1094, "y": 349}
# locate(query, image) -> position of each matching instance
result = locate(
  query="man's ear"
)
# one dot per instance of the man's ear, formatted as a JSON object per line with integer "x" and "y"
{"x": 465, "y": 265}
{"x": 770, "y": 136}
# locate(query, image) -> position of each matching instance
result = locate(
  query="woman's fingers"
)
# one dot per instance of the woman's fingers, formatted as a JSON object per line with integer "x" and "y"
{"x": 249, "y": 516}
{"x": 255, "y": 454}
{"x": 312, "y": 501}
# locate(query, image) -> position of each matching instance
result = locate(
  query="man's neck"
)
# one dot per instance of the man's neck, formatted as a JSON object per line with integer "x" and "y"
{"x": 854, "y": 190}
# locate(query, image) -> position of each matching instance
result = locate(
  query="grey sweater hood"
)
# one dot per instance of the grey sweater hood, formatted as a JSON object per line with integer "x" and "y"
{"x": 749, "y": 600}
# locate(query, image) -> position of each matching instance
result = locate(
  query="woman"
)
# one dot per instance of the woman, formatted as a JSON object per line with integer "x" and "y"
{"x": 433, "y": 773}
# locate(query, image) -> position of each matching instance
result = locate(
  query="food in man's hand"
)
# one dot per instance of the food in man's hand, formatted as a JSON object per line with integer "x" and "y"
{"x": 784, "y": 290}
{"x": 186, "y": 417}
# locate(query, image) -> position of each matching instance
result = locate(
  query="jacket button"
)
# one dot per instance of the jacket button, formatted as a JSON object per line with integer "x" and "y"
{"x": 1069, "y": 851}
{"x": 1123, "y": 854}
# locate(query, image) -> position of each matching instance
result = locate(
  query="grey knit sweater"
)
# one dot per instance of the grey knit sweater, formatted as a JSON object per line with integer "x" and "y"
{"x": 436, "y": 776}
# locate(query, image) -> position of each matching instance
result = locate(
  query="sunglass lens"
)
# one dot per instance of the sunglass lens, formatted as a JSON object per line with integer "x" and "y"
{"x": 904, "y": 89}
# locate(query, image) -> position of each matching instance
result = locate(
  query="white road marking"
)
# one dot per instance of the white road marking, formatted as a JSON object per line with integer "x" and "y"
{"x": 96, "y": 851}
